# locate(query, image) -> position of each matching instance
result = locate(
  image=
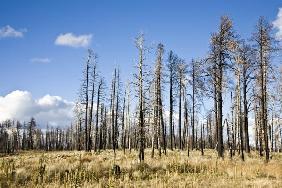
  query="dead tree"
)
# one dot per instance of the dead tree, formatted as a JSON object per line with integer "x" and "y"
{"x": 85, "y": 99}
{"x": 126, "y": 139}
{"x": 246, "y": 67}
{"x": 197, "y": 75}
{"x": 264, "y": 46}
{"x": 139, "y": 42}
{"x": 171, "y": 66}
{"x": 99, "y": 96}
{"x": 31, "y": 130}
{"x": 202, "y": 139}
{"x": 113, "y": 97}
{"x": 92, "y": 82}
{"x": 239, "y": 112}
{"x": 158, "y": 109}
{"x": 181, "y": 73}
{"x": 222, "y": 44}
{"x": 116, "y": 131}
{"x": 78, "y": 112}
{"x": 229, "y": 138}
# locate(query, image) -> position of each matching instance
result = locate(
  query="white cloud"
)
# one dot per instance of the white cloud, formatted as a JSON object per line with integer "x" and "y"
{"x": 40, "y": 60}
{"x": 278, "y": 24}
{"x": 20, "y": 105}
{"x": 72, "y": 40}
{"x": 8, "y": 31}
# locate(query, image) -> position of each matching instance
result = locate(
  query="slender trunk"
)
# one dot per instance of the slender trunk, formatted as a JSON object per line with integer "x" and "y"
{"x": 141, "y": 100}
{"x": 215, "y": 117}
{"x": 229, "y": 139}
{"x": 246, "y": 126}
{"x": 86, "y": 107}
{"x": 241, "y": 132}
{"x": 163, "y": 127}
{"x": 219, "y": 98}
{"x": 263, "y": 96}
{"x": 117, "y": 112}
{"x": 97, "y": 115}
{"x": 193, "y": 107}
{"x": 272, "y": 132}
{"x": 186, "y": 124}
{"x": 171, "y": 111}
{"x": 202, "y": 144}
{"x": 123, "y": 126}
{"x": 91, "y": 109}
{"x": 113, "y": 112}
{"x": 180, "y": 107}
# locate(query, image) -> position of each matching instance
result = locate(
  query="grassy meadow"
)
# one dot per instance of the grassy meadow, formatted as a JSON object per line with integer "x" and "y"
{"x": 82, "y": 169}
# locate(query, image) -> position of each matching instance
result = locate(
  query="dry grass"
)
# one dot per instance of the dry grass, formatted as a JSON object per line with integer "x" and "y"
{"x": 80, "y": 169}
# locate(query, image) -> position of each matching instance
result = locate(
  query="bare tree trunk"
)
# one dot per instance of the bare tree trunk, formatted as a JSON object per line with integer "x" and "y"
{"x": 229, "y": 139}
{"x": 163, "y": 127}
{"x": 246, "y": 125}
{"x": 86, "y": 103}
{"x": 171, "y": 112}
{"x": 123, "y": 125}
{"x": 91, "y": 107}
{"x": 172, "y": 78}
{"x": 97, "y": 114}
{"x": 140, "y": 46}
{"x": 117, "y": 111}
{"x": 202, "y": 144}
{"x": 193, "y": 105}
{"x": 113, "y": 112}
{"x": 241, "y": 131}
{"x": 219, "y": 125}
{"x": 179, "y": 111}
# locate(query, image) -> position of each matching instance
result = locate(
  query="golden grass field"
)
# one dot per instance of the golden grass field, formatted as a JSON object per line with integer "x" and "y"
{"x": 82, "y": 169}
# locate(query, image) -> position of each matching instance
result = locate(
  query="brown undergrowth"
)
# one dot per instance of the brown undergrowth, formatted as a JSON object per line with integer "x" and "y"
{"x": 82, "y": 169}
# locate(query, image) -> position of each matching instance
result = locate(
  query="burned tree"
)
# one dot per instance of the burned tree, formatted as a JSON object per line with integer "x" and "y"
{"x": 159, "y": 137}
{"x": 113, "y": 97}
{"x": 197, "y": 75}
{"x": 222, "y": 44}
{"x": 181, "y": 81}
{"x": 31, "y": 125}
{"x": 246, "y": 69}
{"x": 139, "y": 42}
{"x": 264, "y": 46}
{"x": 171, "y": 66}
{"x": 99, "y": 97}
{"x": 85, "y": 100}
{"x": 92, "y": 82}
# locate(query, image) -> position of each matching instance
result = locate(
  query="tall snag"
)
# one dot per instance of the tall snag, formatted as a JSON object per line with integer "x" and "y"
{"x": 139, "y": 42}
{"x": 222, "y": 45}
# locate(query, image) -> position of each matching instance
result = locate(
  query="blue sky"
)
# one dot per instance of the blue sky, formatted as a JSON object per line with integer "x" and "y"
{"x": 34, "y": 62}
{"x": 183, "y": 26}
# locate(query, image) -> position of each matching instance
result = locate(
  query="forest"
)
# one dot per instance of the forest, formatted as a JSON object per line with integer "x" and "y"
{"x": 199, "y": 116}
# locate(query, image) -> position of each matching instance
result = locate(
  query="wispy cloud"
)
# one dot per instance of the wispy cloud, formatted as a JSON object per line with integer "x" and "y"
{"x": 8, "y": 31}
{"x": 278, "y": 25}
{"x": 40, "y": 60}
{"x": 72, "y": 40}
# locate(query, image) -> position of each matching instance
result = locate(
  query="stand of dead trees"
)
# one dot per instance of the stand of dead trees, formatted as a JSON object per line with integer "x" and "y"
{"x": 168, "y": 107}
